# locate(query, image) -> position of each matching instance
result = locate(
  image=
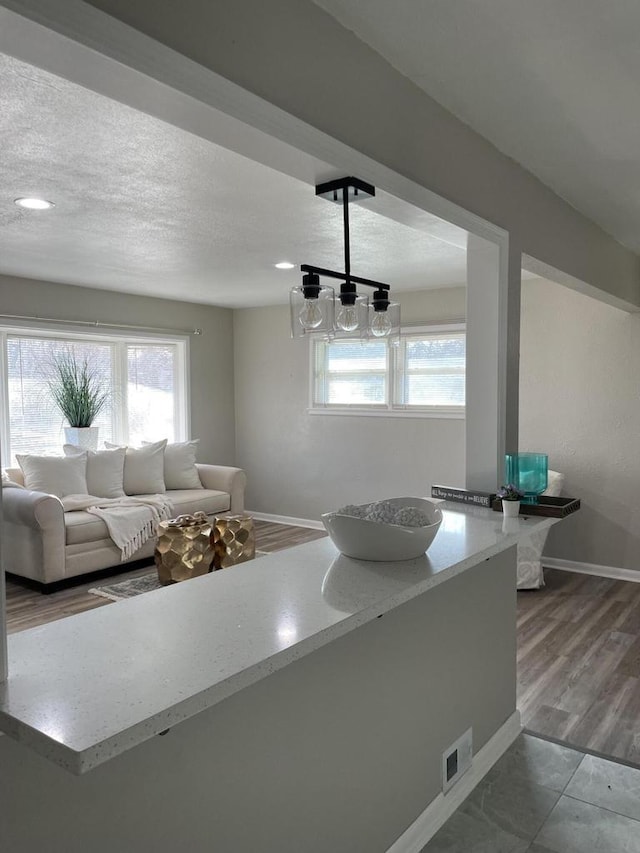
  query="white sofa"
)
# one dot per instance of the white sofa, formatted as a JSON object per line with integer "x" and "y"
{"x": 42, "y": 542}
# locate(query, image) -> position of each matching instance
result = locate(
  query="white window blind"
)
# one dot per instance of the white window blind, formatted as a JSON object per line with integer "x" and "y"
{"x": 424, "y": 375}
{"x": 431, "y": 370}
{"x": 35, "y": 424}
{"x": 146, "y": 381}
{"x": 351, "y": 373}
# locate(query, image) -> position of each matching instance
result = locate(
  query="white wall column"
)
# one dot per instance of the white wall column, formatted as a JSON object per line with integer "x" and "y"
{"x": 3, "y": 610}
{"x": 493, "y": 335}
{"x": 509, "y": 365}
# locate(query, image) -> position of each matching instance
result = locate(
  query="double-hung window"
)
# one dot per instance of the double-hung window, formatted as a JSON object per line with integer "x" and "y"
{"x": 351, "y": 373}
{"x": 422, "y": 375}
{"x": 146, "y": 380}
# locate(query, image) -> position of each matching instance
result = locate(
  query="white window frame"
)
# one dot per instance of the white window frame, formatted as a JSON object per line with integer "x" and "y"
{"x": 395, "y": 357}
{"x": 346, "y": 408}
{"x": 121, "y": 339}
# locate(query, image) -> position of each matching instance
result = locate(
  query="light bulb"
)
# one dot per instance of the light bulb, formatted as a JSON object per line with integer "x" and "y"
{"x": 310, "y": 315}
{"x": 347, "y": 318}
{"x": 380, "y": 325}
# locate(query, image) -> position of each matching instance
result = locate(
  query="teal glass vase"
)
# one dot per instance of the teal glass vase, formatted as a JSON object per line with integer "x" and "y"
{"x": 528, "y": 472}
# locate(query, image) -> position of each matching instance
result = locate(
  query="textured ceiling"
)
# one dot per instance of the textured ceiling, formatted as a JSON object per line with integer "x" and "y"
{"x": 144, "y": 207}
{"x": 552, "y": 84}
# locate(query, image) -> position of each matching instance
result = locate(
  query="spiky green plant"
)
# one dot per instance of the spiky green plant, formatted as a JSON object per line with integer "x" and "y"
{"x": 76, "y": 390}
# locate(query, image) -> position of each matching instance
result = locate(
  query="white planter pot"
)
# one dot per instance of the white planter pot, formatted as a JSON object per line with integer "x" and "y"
{"x": 511, "y": 509}
{"x": 85, "y": 437}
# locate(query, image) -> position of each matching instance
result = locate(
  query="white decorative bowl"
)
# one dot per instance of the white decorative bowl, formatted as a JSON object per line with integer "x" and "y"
{"x": 372, "y": 540}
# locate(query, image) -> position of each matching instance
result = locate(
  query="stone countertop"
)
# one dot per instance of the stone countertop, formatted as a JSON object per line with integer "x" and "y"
{"x": 86, "y": 688}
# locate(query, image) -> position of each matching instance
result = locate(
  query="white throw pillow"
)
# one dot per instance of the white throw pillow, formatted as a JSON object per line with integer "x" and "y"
{"x": 7, "y": 482}
{"x": 180, "y": 470}
{"x": 143, "y": 468}
{"x": 105, "y": 470}
{"x": 55, "y": 475}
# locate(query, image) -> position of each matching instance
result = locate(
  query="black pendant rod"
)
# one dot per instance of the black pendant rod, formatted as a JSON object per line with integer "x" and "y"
{"x": 342, "y": 275}
{"x": 347, "y": 248}
{"x": 330, "y": 190}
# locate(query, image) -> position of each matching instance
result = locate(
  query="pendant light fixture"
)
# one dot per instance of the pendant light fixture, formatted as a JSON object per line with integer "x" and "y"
{"x": 316, "y": 308}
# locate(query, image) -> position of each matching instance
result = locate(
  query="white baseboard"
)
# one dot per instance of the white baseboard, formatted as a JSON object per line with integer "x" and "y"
{"x": 440, "y": 810}
{"x": 287, "y": 519}
{"x": 613, "y": 572}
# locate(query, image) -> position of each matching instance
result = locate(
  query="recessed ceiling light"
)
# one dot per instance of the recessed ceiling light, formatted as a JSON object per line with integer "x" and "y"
{"x": 34, "y": 203}
{"x": 284, "y": 265}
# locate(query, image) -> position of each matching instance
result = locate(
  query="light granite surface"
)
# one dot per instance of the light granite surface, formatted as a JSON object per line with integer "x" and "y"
{"x": 85, "y": 689}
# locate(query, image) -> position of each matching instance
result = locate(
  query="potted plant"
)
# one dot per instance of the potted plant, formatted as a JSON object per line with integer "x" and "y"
{"x": 510, "y": 496}
{"x": 78, "y": 392}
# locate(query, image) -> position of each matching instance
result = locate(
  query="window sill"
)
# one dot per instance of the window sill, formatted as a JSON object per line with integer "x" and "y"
{"x": 351, "y": 411}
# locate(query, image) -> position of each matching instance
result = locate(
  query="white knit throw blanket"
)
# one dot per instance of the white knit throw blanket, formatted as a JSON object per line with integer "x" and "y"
{"x": 131, "y": 521}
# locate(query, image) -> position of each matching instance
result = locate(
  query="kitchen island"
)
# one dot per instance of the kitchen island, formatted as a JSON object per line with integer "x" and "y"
{"x": 307, "y": 698}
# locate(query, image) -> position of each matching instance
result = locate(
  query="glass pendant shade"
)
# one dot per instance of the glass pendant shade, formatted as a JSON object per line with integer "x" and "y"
{"x": 312, "y": 310}
{"x": 528, "y": 472}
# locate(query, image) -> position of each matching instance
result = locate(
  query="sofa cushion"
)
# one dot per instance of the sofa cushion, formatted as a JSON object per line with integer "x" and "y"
{"x": 84, "y": 527}
{"x": 55, "y": 475}
{"x": 15, "y": 475}
{"x": 191, "y": 500}
{"x": 105, "y": 470}
{"x": 8, "y": 483}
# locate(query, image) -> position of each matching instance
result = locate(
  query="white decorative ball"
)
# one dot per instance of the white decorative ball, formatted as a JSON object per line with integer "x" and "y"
{"x": 411, "y": 516}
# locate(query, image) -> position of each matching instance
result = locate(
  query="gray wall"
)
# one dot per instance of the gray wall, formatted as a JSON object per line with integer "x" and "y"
{"x": 579, "y": 402}
{"x": 302, "y": 465}
{"x": 211, "y": 368}
{"x": 294, "y": 55}
{"x": 340, "y": 751}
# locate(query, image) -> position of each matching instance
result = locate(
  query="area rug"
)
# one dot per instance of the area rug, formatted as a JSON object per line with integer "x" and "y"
{"x": 128, "y": 588}
{"x": 134, "y": 586}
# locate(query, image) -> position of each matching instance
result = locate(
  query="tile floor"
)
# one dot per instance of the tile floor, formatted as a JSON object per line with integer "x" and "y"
{"x": 545, "y": 798}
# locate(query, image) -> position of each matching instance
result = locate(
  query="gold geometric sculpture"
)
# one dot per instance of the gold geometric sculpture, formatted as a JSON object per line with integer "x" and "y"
{"x": 184, "y": 548}
{"x": 233, "y": 540}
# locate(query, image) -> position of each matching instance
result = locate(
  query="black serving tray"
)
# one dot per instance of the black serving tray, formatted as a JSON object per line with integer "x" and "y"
{"x": 553, "y": 507}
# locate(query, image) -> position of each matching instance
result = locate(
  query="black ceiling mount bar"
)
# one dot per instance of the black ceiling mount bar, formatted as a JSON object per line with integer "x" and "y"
{"x": 356, "y": 189}
{"x": 334, "y": 274}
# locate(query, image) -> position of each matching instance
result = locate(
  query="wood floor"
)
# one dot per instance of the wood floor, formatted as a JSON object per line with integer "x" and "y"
{"x": 578, "y": 648}
{"x": 27, "y": 607}
{"x": 579, "y": 663}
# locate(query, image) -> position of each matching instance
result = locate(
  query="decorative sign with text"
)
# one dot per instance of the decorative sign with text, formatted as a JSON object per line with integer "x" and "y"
{"x": 463, "y": 496}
